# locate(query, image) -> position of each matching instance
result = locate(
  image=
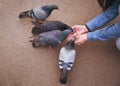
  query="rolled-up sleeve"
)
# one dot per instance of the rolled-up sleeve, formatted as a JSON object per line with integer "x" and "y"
{"x": 104, "y": 17}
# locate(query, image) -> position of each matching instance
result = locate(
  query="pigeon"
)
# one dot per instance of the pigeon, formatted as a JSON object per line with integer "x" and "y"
{"x": 50, "y": 38}
{"x": 66, "y": 59}
{"x": 39, "y": 12}
{"x": 48, "y": 26}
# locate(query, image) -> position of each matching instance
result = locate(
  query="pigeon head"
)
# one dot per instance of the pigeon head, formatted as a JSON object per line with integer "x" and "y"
{"x": 24, "y": 14}
{"x": 65, "y": 33}
{"x": 50, "y": 7}
{"x": 70, "y": 44}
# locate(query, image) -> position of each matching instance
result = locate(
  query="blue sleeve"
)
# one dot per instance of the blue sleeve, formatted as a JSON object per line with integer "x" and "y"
{"x": 104, "y": 17}
{"x": 112, "y": 31}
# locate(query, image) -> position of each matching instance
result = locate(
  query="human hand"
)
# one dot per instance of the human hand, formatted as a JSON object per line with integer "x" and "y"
{"x": 81, "y": 39}
{"x": 80, "y": 29}
{"x": 77, "y": 30}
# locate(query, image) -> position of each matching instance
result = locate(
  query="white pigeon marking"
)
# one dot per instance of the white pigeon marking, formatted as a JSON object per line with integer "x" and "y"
{"x": 67, "y": 56}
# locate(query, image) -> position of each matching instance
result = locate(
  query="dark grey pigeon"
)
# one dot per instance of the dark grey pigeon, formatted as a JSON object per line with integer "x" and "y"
{"x": 66, "y": 59}
{"x": 39, "y": 13}
{"x": 48, "y": 26}
{"x": 51, "y": 38}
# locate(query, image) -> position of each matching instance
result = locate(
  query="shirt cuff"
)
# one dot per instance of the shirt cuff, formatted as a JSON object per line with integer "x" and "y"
{"x": 87, "y": 28}
{"x": 91, "y": 36}
{"x": 91, "y": 26}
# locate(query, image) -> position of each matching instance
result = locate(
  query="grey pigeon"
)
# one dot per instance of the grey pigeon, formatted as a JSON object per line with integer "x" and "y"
{"x": 51, "y": 38}
{"x": 66, "y": 59}
{"x": 48, "y": 26}
{"x": 38, "y": 13}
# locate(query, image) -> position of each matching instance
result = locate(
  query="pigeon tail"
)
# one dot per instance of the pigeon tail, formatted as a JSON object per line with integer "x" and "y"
{"x": 23, "y": 14}
{"x": 36, "y": 30}
{"x": 34, "y": 44}
{"x": 63, "y": 77}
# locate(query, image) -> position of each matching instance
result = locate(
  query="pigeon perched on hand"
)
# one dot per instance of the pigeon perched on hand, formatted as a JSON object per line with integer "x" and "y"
{"x": 39, "y": 13}
{"x": 48, "y": 26}
{"x": 51, "y": 38}
{"x": 66, "y": 59}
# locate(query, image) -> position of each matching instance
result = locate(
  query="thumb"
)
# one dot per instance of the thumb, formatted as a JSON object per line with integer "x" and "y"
{"x": 74, "y": 27}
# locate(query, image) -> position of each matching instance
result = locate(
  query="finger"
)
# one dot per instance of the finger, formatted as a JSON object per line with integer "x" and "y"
{"x": 78, "y": 33}
{"x": 75, "y": 34}
{"x": 77, "y": 43}
{"x": 73, "y": 29}
{"x": 74, "y": 26}
{"x": 71, "y": 35}
{"x": 69, "y": 38}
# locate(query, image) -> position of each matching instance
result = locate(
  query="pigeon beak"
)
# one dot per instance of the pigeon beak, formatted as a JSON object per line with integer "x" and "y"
{"x": 23, "y": 14}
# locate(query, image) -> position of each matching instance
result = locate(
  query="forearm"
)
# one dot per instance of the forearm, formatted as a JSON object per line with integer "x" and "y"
{"x": 112, "y": 31}
{"x": 104, "y": 17}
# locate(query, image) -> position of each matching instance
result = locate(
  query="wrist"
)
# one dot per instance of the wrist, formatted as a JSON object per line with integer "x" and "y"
{"x": 85, "y": 35}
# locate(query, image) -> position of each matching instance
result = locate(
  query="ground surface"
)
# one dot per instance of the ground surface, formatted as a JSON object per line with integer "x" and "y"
{"x": 97, "y": 63}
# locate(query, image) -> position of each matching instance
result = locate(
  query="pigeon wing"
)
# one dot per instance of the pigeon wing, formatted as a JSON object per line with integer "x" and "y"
{"x": 51, "y": 38}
